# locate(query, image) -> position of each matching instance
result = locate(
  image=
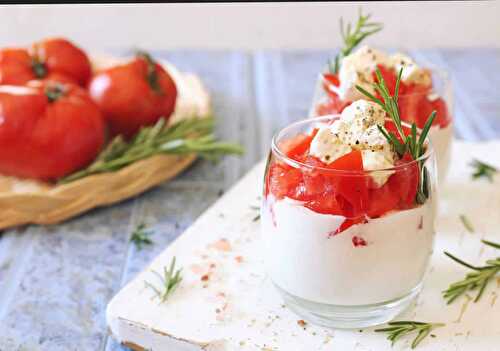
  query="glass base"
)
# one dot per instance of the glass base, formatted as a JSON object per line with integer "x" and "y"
{"x": 348, "y": 317}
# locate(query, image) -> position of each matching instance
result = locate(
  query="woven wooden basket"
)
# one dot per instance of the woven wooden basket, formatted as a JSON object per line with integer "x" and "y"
{"x": 27, "y": 201}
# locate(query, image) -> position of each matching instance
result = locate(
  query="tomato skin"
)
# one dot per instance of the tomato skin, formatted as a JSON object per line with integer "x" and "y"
{"x": 58, "y": 60}
{"x": 127, "y": 99}
{"x": 48, "y": 140}
{"x": 15, "y": 66}
{"x": 64, "y": 58}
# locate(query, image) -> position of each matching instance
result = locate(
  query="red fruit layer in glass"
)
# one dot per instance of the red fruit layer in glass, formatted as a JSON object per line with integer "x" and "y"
{"x": 414, "y": 103}
{"x": 352, "y": 195}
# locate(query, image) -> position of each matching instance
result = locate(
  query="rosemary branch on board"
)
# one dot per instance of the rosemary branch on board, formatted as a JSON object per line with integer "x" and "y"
{"x": 478, "y": 279}
{"x": 188, "y": 136}
{"x": 170, "y": 280}
{"x": 482, "y": 170}
{"x": 352, "y": 37}
{"x": 140, "y": 236}
{"x": 398, "y": 329}
{"x": 412, "y": 143}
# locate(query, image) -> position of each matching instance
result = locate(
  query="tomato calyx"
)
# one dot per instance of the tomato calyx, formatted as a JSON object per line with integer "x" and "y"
{"x": 39, "y": 68}
{"x": 55, "y": 91}
{"x": 151, "y": 75}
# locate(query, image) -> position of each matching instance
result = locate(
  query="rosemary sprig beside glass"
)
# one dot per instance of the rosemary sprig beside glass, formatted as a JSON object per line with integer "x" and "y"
{"x": 170, "y": 280}
{"x": 398, "y": 329}
{"x": 352, "y": 37}
{"x": 478, "y": 279}
{"x": 189, "y": 136}
{"x": 140, "y": 236}
{"x": 412, "y": 143}
{"x": 482, "y": 170}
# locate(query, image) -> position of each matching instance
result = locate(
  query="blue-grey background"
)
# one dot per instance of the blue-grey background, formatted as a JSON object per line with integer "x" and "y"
{"x": 55, "y": 281}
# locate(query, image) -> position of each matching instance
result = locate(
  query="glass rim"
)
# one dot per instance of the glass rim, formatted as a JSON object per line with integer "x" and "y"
{"x": 275, "y": 149}
{"x": 440, "y": 72}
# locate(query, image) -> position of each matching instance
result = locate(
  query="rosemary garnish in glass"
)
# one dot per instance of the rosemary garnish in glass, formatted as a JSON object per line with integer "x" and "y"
{"x": 170, "y": 280}
{"x": 140, "y": 236}
{"x": 412, "y": 143}
{"x": 188, "y": 136}
{"x": 478, "y": 279}
{"x": 483, "y": 170}
{"x": 353, "y": 36}
{"x": 400, "y": 328}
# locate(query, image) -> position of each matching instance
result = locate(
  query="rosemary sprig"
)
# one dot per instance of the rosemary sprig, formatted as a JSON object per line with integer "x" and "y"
{"x": 170, "y": 280}
{"x": 482, "y": 170}
{"x": 478, "y": 279}
{"x": 400, "y": 328}
{"x": 140, "y": 236}
{"x": 189, "y": 136}
{"x": 491, "y": 243}
{"x": 352, "y": 37}
{"x": 467, "y": 223}
{"x": 412, "y": 143}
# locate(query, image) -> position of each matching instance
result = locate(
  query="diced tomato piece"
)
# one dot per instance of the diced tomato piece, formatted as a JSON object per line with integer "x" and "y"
{"x": 297, "y": 146}
{"x": 352, "y": 161}
{"x": 353, "y": 188}
{"x": 329, "y": 81}
{"x": 332, "y": 79}
{"x": 442, "y": 117}
{"x": 283, "y": 180}
{"x": 404, "y": 182}
{"x": 413, "y": 88}
{"x": 334, "y": 105}
{"x": 410, "y": 107}
{"x": 382, "y": 200}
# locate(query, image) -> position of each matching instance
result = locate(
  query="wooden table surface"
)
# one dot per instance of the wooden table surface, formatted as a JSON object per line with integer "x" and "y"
{"x": 55, "y": 281}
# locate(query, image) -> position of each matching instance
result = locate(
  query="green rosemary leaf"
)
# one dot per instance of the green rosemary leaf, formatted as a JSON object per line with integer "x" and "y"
{"x": 140, "y": 236}
{"x": 352, "y": 38}
{"x": 483, "y": 170}
{"x": 170, "y": 280}
{"x": 421, "y": 335}
{"x": 373, "y": 98}
{"x": 463, "y": 263}
{"x": 426, "y": 129}
{"x": 189, "y": 136}
{"x": 397, "y": 330}
{"x": 410, "y": 143}
{"x": 491, "y": 243}
{"x": 478, "y": 279}
{"x": 467, "y": 223}
{"x": 398, "y": 82}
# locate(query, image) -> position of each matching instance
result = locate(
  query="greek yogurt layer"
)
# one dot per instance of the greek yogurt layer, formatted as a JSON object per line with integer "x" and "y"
{"x": 374, "y": 262}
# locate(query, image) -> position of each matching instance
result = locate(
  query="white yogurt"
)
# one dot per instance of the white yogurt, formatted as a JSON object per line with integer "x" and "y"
{"x": 306, "y": 260}
{"x": 441, "y": 142}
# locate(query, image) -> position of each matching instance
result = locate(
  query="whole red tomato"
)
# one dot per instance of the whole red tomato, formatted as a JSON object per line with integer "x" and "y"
{"x": 51, "y": 59}
{"x": 133, "y": 95}
{"x": 48, "y": 130}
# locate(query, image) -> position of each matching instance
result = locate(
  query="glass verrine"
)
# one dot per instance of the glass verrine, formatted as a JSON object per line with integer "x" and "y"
{"x": 415, "y": 102}
{"x": 343, "y": 252}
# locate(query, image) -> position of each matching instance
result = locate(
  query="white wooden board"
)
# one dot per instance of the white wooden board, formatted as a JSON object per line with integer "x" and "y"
{"x": 225, "y": 302}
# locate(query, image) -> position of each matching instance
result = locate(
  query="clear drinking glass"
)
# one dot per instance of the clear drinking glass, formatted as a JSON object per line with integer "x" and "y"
{"x": 415, "y": 106}
{"x": 342, "y": 252}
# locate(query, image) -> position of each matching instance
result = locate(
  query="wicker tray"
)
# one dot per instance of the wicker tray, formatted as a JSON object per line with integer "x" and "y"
{"x": 28, "y": 201}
